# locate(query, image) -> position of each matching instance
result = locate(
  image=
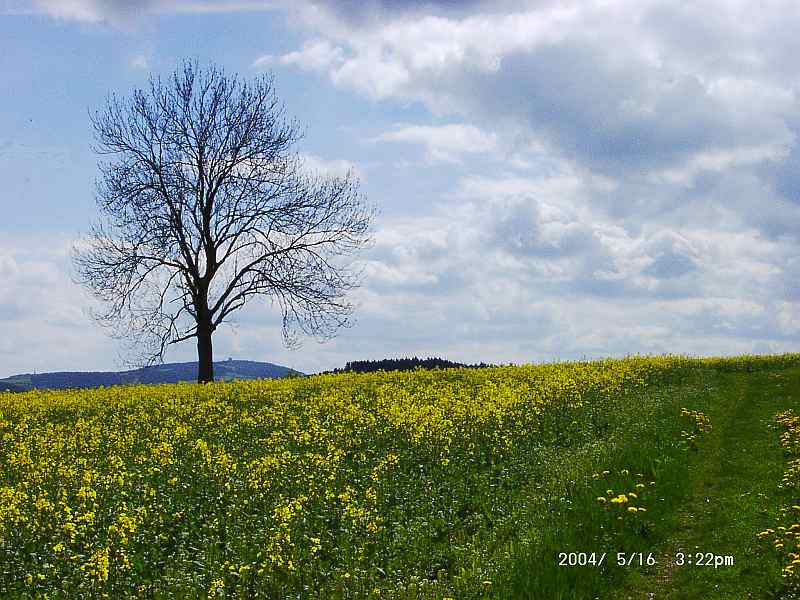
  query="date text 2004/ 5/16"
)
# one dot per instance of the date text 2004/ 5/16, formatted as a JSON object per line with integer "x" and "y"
{"x": 596, "y": 559}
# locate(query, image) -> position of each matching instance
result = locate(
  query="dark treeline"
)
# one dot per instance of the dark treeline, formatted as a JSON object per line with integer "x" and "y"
{"x": 403, "y": 364}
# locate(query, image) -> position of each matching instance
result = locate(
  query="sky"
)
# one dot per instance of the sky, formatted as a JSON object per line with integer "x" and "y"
{"x": 554, "y": 179}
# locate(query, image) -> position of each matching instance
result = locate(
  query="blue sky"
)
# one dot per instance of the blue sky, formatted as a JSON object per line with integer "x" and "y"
{"x": 555, "y": 179}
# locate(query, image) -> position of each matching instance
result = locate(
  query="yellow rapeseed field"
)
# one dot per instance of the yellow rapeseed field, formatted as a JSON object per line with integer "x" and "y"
{"x": 347, "y": 483}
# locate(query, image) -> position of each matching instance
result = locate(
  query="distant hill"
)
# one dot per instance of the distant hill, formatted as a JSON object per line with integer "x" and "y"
{"x": 7, "y": 386}
{"x": 166, "y": 373}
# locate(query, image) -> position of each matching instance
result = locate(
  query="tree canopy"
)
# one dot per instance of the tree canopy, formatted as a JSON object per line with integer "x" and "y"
{"x": 204, "y": 206}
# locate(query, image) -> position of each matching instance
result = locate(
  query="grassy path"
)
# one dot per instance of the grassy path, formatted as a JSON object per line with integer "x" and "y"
{"x": 712, "y": 500}
{"x": 733, "y": 494}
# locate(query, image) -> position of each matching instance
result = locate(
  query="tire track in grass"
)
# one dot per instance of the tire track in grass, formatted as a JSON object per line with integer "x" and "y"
{"x": 733, "y": 481}
{"x": 694, "y": 511}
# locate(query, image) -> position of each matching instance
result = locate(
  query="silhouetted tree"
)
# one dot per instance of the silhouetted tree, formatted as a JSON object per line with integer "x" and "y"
{"x": 204, "y": 206}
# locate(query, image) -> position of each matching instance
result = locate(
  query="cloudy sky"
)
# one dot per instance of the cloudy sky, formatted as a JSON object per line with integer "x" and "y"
{"x": 555, "y": 179}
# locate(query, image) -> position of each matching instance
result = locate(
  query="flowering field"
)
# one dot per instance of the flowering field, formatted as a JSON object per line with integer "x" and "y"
{"x": 390, "y": 485}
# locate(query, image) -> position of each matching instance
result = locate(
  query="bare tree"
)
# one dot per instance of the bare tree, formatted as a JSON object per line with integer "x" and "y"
{"x": 205, "y": 206}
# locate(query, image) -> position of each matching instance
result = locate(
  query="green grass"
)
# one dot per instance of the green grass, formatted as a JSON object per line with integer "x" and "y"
{"x": 733, "y": 494}
{"x": 712, "y": 499}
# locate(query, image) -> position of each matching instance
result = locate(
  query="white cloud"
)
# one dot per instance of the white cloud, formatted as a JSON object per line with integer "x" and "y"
{"x": 122, "y": 13}
{"x": 41, "y": 320}
{"x": 78, "y": 10}
{"x": 719, "y": 160}
{"x": 334, "y": 167}
{"x": 140, "y": 61}
{"x": 789, "y": 317}
{"x": 443, "y": 143}
{"x": 519, "y": 260}
{"x": 315, "y": 55}
{"x": 214, "y": 6}
{"x": 386, "y": 56}
{"x": 608, "y": 84}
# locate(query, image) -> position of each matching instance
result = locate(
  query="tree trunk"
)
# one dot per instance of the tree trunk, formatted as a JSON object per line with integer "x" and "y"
{"x": 205, "y": 355}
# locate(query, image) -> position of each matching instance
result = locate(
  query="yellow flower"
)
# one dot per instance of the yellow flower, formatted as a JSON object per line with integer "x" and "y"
{"x": 216, "y": 585}
{"x": 97, "y": 566}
